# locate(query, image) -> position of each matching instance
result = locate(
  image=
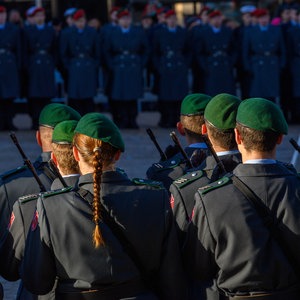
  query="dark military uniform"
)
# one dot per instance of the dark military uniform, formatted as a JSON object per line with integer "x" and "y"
{"x": 293, "y": 55}
{"x": 20, "y": 182}
{"x": 176, "y": 166}
{"x": 40, "y": 59}
{"x": 264, "y": 56}
{"x": 80, "y": 53}
{"x": 228, "y": 240}
{"x": 12, "y": 247}
{"x": 171, "y": 56}
{"x": 144, "y": 215}
{"x": 217, "y": 54}
{"x": 126, "y": 55}
{"x": 10, "y": 61}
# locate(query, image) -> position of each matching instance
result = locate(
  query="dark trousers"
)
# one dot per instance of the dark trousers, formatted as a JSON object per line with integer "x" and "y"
{"x": 124, "y": 113}
{"x": 83, "y": 106}
{"x": 6, "y": 114}
{"x": 35, "y": 106}
{"x": 170, "y": 112}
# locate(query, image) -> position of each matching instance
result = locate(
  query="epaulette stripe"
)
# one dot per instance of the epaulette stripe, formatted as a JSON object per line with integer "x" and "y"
{"x": 57, "y": 192}
{"x": 188, "y": 178}
{"x": 220, "y": 182}
{"x": 27, "y": 198}
{"x": 12, "y": 172}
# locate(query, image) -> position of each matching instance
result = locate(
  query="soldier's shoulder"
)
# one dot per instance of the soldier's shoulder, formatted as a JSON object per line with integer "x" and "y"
{"x": 52, "y": 193}
{"x": 188, "y": 178}
{"x": 170, "y": 163}
{"x": 28, "y": 198}
{"x": 13, "y": 172}
{"x": 147, "y": 182}
{"x": 214, "y": 185}
{"x": 288, "y": 166}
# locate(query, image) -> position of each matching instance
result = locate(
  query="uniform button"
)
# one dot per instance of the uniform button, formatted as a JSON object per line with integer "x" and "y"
{"x": 194, "y": 174}
{"x": 173, "y": 162}
{"x": 141, "y": 180}
{"x": 220, "y": 181}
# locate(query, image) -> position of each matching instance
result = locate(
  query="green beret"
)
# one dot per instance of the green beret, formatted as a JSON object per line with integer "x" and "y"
{"x": 194, "y": 104}
{"x": 63, "y": 132}
{"x": 54, "y": 113}
{"x": 98, "y": 126}
{"x": 221, "y": 111}
{"x": 261, "y": 114}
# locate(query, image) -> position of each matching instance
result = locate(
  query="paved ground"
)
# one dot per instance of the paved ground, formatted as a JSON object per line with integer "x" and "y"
{"x": 139, "y": 155}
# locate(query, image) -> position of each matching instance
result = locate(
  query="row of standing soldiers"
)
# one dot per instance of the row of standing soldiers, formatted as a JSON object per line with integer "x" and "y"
{"x": 167, "y": 50}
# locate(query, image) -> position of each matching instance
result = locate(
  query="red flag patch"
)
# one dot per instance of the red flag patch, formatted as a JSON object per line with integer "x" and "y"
{"x": 172, "y": 201}
{"x": 34, "y": 221}
{"x": 11, "y": 221}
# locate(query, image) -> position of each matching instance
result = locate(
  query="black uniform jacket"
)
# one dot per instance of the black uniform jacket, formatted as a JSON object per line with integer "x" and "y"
{"x": 228, "y": 240}
{"x": 20, "y": 182}
{"x": 60, "y": 240}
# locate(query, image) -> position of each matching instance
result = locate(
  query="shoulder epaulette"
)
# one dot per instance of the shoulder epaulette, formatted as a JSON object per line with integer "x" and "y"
{"x": 12, "y": 172}
{"x": 152, "y": 183}
{"x": 121, "y": 171}
{"x": 168, "y": 164}
{"x": 214, "y": 185}
{"x": 188, "y": 179}
{"x": 28, "y": 198}
{"x": 57, "y": 192}
{"x": 289, "y": 166}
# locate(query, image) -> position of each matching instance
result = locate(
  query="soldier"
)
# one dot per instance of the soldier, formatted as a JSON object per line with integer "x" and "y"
{"x": 217, "y": 54}
{"x": 126, "y": 52}
{"x": 19, "y": 182}
{"x": 68, "y": 15}
{"x": 229, "y": 237}
{"x": 189, "y": 126}
{"x": 171, "y": 56}
{"x": 114, "y": 257}
{"x": 10, "y": 60}
{"x": 80, "y": 53}
{"x": 293, "y": 63}
{"x": 264, "y": 56}
{"x": 40, "y": 59}
{"x": 219, "y": 116}
{"x": 12, "y": 247}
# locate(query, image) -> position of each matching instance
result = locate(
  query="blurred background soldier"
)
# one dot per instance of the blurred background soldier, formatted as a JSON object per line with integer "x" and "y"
{"x": 293, "y": 56}
{"x": 126, "y": 52}
{"x": 30, "y": 20}
{"x": 40, "y": 59}
{"x": 68, "y": 15}
{"x": 243, "y": 76}
{"x": 80, "y": 53}
{"x": 264, "y": 57}
{"x": 171, "y": 57}
{"x": 15, "y": 18}
{"x": 10, "y": 60}
{"x": 217, "y": 54}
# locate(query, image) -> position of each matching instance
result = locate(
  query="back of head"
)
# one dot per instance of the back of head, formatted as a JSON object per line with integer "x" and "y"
{"x": 220, "y": 119}
{"x": 98, "y": 140}
{"x": 260, "y": 123}
{"x": 50, "y": 116}
{"x": 191, "y": 113}
{"x": 62, "y": 147}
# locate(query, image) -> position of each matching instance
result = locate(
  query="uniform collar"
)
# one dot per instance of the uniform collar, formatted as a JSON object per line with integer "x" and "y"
{"x": 2, "y": 26}
{"x": 229, "y": 152}
{"x": 198, "y": 146}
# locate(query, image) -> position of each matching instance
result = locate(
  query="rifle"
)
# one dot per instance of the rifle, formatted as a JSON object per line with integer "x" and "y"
{"x": 57, "y": 173}
{"x": 27, "y": 162}
{"x": 213, "y": 152}
{"x": 153, "y": 139}
{"x": 295, "y": 145}
{"x": 177, "y": 143}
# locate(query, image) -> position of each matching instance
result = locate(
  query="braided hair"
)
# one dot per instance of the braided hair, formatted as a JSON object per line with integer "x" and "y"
{"x": 99, "y": 155}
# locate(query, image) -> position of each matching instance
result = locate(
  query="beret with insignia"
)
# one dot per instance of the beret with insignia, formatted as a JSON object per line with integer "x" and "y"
{"x": 54, "y": 113}
{"x": 262, "y": 115}
{"x": 221, "y": 111}
{"x": 194, "y": 104}
{"x": 63, "y": 132}
{"x": 98, "y": 126}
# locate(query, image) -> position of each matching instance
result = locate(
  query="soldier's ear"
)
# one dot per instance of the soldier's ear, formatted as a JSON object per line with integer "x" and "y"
{"x": 117, "y": 156}
{"x": 38, "y": 138}
{"x": 204, "y": 129}
{"x": 180, "y": 128}
{"x": 76, "y": 153}
{"x": 279, "y": 140}
{"x": 238, "y": 137}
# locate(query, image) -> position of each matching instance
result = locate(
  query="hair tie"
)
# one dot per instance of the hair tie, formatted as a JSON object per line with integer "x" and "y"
{"x": 97, "y": 149}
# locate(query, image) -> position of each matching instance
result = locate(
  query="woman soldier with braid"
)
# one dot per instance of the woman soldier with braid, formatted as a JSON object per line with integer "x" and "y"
{"x": 112, "y": 238}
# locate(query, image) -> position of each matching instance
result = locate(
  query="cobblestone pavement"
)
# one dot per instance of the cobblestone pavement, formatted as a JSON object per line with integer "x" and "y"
{"x": 140, "y": 153}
